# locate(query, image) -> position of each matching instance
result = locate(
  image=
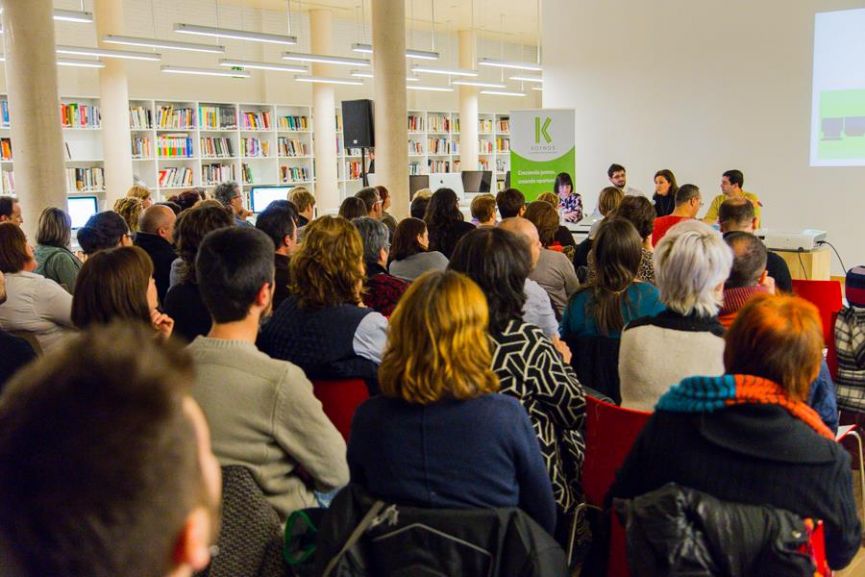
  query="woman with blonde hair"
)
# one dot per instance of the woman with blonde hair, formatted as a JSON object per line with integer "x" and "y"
{"x": 130, "y": 209}
{"x": 142, "y": 193}
{"x": 437, "y": 385}
{"x": 321, "y": 326}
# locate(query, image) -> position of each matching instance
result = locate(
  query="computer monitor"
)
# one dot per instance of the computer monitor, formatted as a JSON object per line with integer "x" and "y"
{"x": 451, "y": 180}
{"x": 81, "y": 208}
{"x": 417, "y": 182}
{"x": 261, "y": 196}
{"x": 477, "y": 180}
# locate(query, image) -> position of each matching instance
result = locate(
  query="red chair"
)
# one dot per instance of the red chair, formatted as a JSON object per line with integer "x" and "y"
{"x": 340, "y": 399}
{"x": 826, "y": 296}
{"x": 832, "y": 351}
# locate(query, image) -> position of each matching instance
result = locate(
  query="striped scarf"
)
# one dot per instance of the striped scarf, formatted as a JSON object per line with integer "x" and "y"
{"x": 709, "y": 394}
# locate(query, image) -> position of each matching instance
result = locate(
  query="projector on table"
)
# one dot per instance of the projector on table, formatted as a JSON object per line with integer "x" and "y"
{"x": 794, "y": 241}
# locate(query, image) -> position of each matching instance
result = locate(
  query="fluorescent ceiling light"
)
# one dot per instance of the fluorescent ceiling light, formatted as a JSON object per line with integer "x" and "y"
{"x": 537, "y": 88}
{"x": 369, "y": 74}
{"x": 510, "y": 64}
{"x": 235, "y": 34}
{"x": 536, "y": 79}
{"x": 409, "y": 52}
{"x": 329, "y": 80}
{"x": 165, "y": 44}
{"x": 430, "y": 88}
{"x": 324, "y": 59}
{"x": 502, "y": 93}
{"x": 105, "y": 53}
{"x": 205, "y": 71}
{"x": 73, "y": 16}
{"x": 79, "y": 62}
{"x": 232, "y": 63}
{"x": 445, "y": 71}
{"x": 478, "y": 84}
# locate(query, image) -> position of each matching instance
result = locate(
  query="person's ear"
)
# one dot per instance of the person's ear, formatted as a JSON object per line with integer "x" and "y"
{"x": 763, "y": 277}
{"x": 754, "y": 223}
{"x": 193, "y": 544}
{"x": 522, "y": 210}
{"x": 383, "y": 254}
{"x": 288, "y": 241}
{"x": 265, "y": 294}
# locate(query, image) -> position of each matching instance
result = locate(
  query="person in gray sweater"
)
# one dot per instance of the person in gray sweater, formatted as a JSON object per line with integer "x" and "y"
{"x": 262, "y": 411}
{"x": 410, "y": 256}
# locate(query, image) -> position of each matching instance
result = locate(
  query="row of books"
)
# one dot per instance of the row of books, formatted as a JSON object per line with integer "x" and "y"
{"x": 77, "y": 115}
{"x": 503, "y": 144}
{"x": 502, "y": 165}
{"x": 352, "y": 169}
{"x": 485, "y": 146}
{"x": 175, "y": 146}
{"x": 438, "y": 146}
{"x": 441, "y": 165}
{"x": 254, "y": 147}
{"x": 175, "y": 177}
{"x": 439, "y": 123}
{"x": 255, "y": 120}
{"x": 483, "y": 164}
{"x": 170, "y": 117}
{"x": 216, "y": 173}
{"x": 140, "y": 118}
{"x": 415, "y": 147}
{"x": 485, "y": 125}
{"x": 415, "y": 167}
{"x": 291, "y": 147}
{"x": 289, "y": 174}
{"x": 504, "y": 124}
{"x": 216, "y": 147}
{"x": 415, "y": 123}
{"x": 217, "y": 117}
{"x": 142, "y": 147}
{"x": 91, "y": 179}
{"x": 246, "y": 173}
{"x": 6, "y": 148}
{"x": 293, "y": 123}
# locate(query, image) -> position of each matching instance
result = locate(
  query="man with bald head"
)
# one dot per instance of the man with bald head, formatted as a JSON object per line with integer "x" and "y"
{"x": 156, "y": 236}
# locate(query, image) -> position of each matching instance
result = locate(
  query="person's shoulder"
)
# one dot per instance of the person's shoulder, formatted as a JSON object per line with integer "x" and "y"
{"x": 644, "y": 289}
{"x": 648, "y": 321}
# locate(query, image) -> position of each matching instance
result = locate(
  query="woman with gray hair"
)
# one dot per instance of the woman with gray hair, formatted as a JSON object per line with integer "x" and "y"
{"x": 691, "y": 264}
{"x": 382, "y": 291}
{"x": 55, "y": 259}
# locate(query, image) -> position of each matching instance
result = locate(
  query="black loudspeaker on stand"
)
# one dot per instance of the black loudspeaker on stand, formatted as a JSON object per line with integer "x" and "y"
{"x": 358, "y": 129}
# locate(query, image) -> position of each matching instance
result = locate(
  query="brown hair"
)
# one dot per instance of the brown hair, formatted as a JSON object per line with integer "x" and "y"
{"x": 550, "y": 197}
{"x": 617, "y": 250}
{"x": 609, "y": 200}
{"x": 405, "y": 242}
{"x": 301, "y": 197}
{"x": 328, "y": 268}
{"x": 112, "y": 285}
{"x": 383, "y": 192}
{"x": 14, "y": 255}
{"x": 438, "y": 346}
{"x": 191, "y": 228}
{"x": 779, "y": 338}
{"x": 130, "y": 209}
{"x": 186, "y": 199}
{"x": 483, "y": 207}
{"x": 55, "y": 228}
{"x": 640, "y": 212}
{"x": 138, "y": 191}
{"x": 545, "y": 217}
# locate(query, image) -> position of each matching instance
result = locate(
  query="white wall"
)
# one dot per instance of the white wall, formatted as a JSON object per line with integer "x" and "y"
{"x": 700, "y": 87}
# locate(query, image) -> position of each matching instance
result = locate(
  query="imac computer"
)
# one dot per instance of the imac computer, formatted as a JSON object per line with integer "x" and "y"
{"x": 81, "y": 208}
{"x": 475, "y": 181}
{"x": 261, "y": 196}
{"x": 451, "y": 180}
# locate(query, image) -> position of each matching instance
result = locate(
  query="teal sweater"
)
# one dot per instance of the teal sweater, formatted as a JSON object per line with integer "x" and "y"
{"x": 641, "y": 299}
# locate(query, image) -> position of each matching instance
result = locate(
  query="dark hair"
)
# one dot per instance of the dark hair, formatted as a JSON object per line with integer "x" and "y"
{"x": 278, "y": 221}
{"x": 563, "y": 178}
{"x": 735, "y": 177}
{"x": 749, "y": 259}
{"x": 617, "y": 250}
{"x": 671, "y": 178}
{"x": 7, "y": 204}
{"x": 191, "y": 228}
{"x": 640, "y": 212}
{"x": 99, "y": 462}
{"x": 175, "y": 208}
{"x": 442, "y": 214}
{"x": 545, "y": 217}
{"x": 369, "y": 196}
{"x": 383, "y": 192}
{"x": 738, "y": 211}
{"x": 13, "y": 248}
{"x": 232, "y": 265}
{"x": 375, "y": 236}
{"x": 405, "y": 242}
{"x": 499, "y": 261}
{"x": 418, "y": 207}
{"x": 225, "y": 192}
{"x": 55, "y": 228}
{"x": 352, "y": 207}
{"x": 510, "y": 201}
{"x": 614, "y": 168}
{"x": 186, "y": 199}
{"x": 102, "y": 230}
{"x": 686, "y": 192}
{"x": 112, "y": 285}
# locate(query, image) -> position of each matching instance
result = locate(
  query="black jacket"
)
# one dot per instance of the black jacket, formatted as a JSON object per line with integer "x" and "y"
{"x": 679, "y": 532}
{"x": 162, "y": 254}
{"x": 402, "y": 541}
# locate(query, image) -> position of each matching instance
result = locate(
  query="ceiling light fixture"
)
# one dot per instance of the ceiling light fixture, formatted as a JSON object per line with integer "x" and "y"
{"x": 325, "y": 59}
{"x": 105, "y": 53}
{"x": 235, "y": 34}
{"x": 73, "y": 16}
{"x": 412, "y": 53}
{"x": 77, "y": 62}
{"x": 478, "y": 84}
{"x": 254, "y": 65}
{"x": 445, "y": 71}
{"x": 329, "y": 80}
{"x": 496, "y": 63}
{"x": 369, "y": 74}
{"x": 422, "y": 87}
{"x": 502, "y": 93}
{"x": 519, "y": 78}
{"x": 205, "y": 71}
{"x": 164, "y": 44}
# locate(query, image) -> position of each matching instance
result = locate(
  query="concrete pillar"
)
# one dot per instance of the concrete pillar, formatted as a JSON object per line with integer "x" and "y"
{"x": 323, "y": 116}
{"x": 468, "y": 45}
{"x": 391, "y": 127}
{"x": 116, "y": 139}
{"x": 34, "y": 108}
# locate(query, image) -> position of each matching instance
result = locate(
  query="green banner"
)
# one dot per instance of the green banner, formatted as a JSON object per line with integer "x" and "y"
{"x": 542, "y": 146}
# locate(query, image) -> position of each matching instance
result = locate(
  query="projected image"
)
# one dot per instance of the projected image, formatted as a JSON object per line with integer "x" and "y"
{"x": 838, "y": 107}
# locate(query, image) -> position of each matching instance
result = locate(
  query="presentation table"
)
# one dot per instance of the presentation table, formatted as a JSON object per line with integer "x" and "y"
{"x": 808, "y": 265}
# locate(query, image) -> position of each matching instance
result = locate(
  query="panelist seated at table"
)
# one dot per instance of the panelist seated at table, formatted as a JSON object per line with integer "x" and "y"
{"x": 732, "y": 182}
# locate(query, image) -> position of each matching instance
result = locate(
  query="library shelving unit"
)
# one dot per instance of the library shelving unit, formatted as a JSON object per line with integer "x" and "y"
{"x": 503, "y": 148}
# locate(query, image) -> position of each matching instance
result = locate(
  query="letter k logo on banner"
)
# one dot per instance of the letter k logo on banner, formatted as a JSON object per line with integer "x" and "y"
{"x": 542, "y": 130}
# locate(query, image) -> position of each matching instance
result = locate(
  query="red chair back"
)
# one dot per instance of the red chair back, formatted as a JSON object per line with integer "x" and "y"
{"x": 818, "y": 549}
{"x": 826, "y": 296}
{"x": 340, "y": 399}
{"x": 832, "y": 351}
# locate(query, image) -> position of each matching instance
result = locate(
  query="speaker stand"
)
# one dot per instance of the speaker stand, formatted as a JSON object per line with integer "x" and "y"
{"x": 363, "y": 177}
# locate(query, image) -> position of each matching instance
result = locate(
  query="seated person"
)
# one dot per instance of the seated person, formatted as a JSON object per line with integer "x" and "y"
{"x": 616, "y": 297}
{"x": 15, "y": 352}
{"x": 748, "y": 436}
{"x": 688, "y": 203}
{"x": 686, "y": 339}
{"x": 352, "y": 207}
{"x": 419, "y": 203}
{"x": 483, "y": 209}
{"x": 511, "y": 203}
{"x": 304, "y": 202}
{"x": 382, "y": 290}
{"x": 640, "y": 212}
{"x": 56, "y": 261}
{"x": 387, "y": 218}
{"x": 262, "y": 411}
{"x": 554, "y": 270}
{"x": 437, "y": 385}
{"x": 563, "y": 240}
{"x": 608, "y": 201}
{"x": 105, "y": 462}
{"x": 444, "y": 221}
{"x": 850, "y": 344}
{"x": 747, "y": 275}
{"x": 529, "y": 366}
{"x": 732, "y": 182}
{"x": 156, "y": 236}
{"x": 183, "y": 301}
{"x": 35, "y": 306}
{"x": 279, "y": 222}
{"x": 738, "y": 215}
{"x": 103, "y": 230}
{"x": 410, "y": 256}
{"x": 322, "y": 326}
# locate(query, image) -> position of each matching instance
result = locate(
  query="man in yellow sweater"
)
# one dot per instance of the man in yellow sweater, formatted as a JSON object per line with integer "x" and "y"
{"x": 731, "y": 187}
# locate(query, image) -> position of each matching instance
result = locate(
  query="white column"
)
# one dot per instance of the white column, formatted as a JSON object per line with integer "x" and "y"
{"x": 391, "y": 128}
{"x": 468, "y": 44}
{"x": 116, "y": 139}
{"x": 323, "y": 116}
{"x": 34, "y": 108}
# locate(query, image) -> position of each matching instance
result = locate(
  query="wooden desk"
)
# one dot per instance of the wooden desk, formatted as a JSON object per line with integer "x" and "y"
{"x": 808, "y": 265}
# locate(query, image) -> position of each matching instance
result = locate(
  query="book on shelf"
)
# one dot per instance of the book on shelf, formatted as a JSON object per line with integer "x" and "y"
{"x": 167, "y": 116}
{"x": 455, "y": 146}
{"x": 502, "y": 165}
{"x": 338, "y": 125}
{"x": 216, "y": 147}
{"x": 6, "y": 148}
{"x": 456, "y": 125}
{"x": 291, "y": 147}
{"x": 140, "y": 118}
{"x": 89, "y": 179}
{"x": 217, "y": 117}
{"x": 415, "y": 123}
{"x": 352, "y": 169}
{"x": 215, "y": 173}
{"x": 142, "y": 147}
{"x": 291, "y": 174}
{"x": 255, "y": 120}
{"x": 8, "y": 182}
{"x": 415, "y": 147}
{"x": 293, "y": 123}
{"x": 438, "y": 146}
{"x": 246, "y": 172}
{"x": 78, "y": 115}
{"x": 484, "y": 164}
{"x": 414, "y": 167}
{"x": 504, "y": 124}
{"x": 503, "y": 144}
{"x": 485, "y": 125}
{"x": 439, "y": 123}
{"x": 254, "y": 147}
{"x": 68, "y": 151}
{"x": 4, "y": 113}
{"x": 175, "y": 177}
{"x": 439, "y": 166}
{"x": 175, "y": 145}
{"x": 456, "y": 165}
{"x": 485, "y": 146}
